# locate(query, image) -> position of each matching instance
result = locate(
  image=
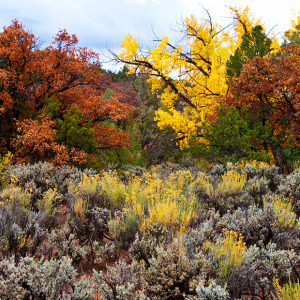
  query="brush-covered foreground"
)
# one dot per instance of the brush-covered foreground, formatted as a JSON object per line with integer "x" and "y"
{"x": 231, "y": 232}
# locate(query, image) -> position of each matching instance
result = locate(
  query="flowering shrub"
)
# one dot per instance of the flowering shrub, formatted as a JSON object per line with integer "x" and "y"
{"x": 288, "y": 291}
{"x": 5, "y": 161}
{"x": 221, "y": 234}
{"x": 229, "y": 252}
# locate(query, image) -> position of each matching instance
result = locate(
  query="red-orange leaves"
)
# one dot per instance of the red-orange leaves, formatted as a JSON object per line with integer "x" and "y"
{"x": 269, "y": 86}
{"x": 125, "y": 93}
{"x": 37, "y": 142}
{"x": 53, "y": 80}
{"x": 103, "y": 109}
{"x": 108, "y": 137}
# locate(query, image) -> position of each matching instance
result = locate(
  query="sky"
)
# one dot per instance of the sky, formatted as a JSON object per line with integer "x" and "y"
{"x": 99, "y": 24}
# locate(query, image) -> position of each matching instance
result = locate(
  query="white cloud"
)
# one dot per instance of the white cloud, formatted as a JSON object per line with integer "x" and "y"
{"x": 101, "y": 22}
{"x": 141, "y": 2}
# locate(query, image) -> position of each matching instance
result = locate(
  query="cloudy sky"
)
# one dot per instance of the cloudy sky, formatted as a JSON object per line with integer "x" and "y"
{"x": 102, "y": 23}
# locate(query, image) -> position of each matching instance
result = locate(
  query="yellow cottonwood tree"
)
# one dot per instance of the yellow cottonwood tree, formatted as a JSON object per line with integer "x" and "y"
{"x": 190, "y": 76}
{"x": 293, "y": 34}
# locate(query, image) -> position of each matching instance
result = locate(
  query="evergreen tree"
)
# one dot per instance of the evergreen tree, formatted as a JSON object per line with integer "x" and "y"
{"x": 254, "y": 43}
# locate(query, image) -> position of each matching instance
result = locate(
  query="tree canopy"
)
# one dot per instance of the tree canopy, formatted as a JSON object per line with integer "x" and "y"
{"x": 233, "y": 90}
{"x": 238, "y": 65}
{"x": 190, "y": 75}
{"x": 51, "y": 99}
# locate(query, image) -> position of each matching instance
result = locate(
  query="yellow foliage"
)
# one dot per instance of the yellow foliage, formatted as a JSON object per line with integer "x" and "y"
{"x": 164, "y": 213}
{"x": 166, "y": 202}
{"x": 170, "y": 202}
{"x": 5, "y": 161}
{"x": 87, "y": 185}
{"x": 116, "y": 226}
{"x": 131, "y": 46}
{"x": 289, "y": 291}
{"x": 191, "y": 74}
{"x": 205, "y": 182}
{"x": 46, "y": 203}
{"x": 294, "y": 33}
{"x": 231, "y": 182}
{"x": 113, "y": 189}
{"x": 285, "y": 216}
{"x": 24, "y": 241}
{"x": 80, "y": 207}
{"x": 244, "y": 21}
{"x": 12, "y": 193}
{"x": 229, "y": 251}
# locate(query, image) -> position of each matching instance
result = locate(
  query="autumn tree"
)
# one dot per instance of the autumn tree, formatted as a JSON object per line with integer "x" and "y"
{"x": 38, "y": 142}
{"x": 263, "y": 81}
{"x": 58, "y": 91}
{"x": 190, "y": 75}
{"x": 233, "y": 133}
{"x": 269, "y": 87}
{"x": 292, "y": 35}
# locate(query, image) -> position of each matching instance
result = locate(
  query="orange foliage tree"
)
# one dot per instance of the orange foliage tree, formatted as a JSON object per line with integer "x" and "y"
{"x": 38, "y": 89}
{"x": 269, "y": 86}
{"x": 38, "y": 141}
